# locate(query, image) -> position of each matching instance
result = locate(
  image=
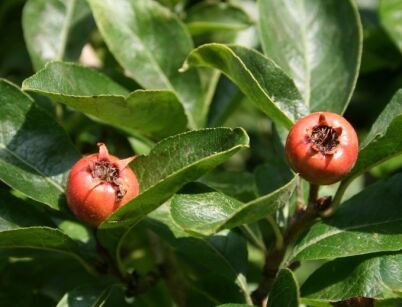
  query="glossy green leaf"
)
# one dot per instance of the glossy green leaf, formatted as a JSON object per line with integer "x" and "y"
{"x": 240, "y": 185}
{"x": 174, "y": 162}
{"x": 218, "y": 263}
{"x": 381, "y": 144}
{"x": 318, "y": 43}
{"x": 260, "y": 79}
{"x": 56, "y": 29}
{"x": 93, "y": 295}
{"x": 152, "y": 44}
{"x": 376, "y": 276}
{"x": 382, "y": 141}
{"x": 151, "y": 112}
{"x": 21, "y": 226}
{"x": 35, "y": 153}
{"x": 285, "y": 291}
{"x": 390, "y": 12}
{"x": 369, "y": 222}
{"x": 208, "y": 213}
{"x": 209, "y": 16}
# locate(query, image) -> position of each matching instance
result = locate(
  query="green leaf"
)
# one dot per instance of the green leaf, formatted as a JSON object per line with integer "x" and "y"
{"x": 174, "y": 162}
{"x": 381, "y": 144}
{"x": 383, "y": 141}
{"x": 369, "y": 222}
{"x": 150, "y": 112}
{"x": 56, "y": 29}
{"x": 260, "y": 79}
{"x": 90, "y": 295}
{"x": 240, "y": 185}
{"x": 35, "y": 152}
{"x": 314, "y": 303}
{"x": 390, "y": 17}
{"x": 81, "y": 233}
{"x": 218, "y": 263}
{"x": 208, "y": 213}
{"x": 21, "y": 226}
{"x": 285, "y": 291}
{"x": 376, "y": 276}
{"x": 151, "y": 44}
{"x": 171, "y": 3}
{"x": 318, "y": 43}
{"x": 207, "y": 17}
{"x": 389, "y": 303}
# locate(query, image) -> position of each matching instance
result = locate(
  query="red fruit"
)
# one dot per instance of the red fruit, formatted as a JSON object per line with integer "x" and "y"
{"x": 322, "y": 147}
{"x": 99, "y": 184}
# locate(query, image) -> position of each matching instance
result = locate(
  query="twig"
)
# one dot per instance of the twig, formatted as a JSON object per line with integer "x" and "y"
{"x": 274, "y": 257}
{"x": 358, "y": 301}
{"x": 313, "y": 193}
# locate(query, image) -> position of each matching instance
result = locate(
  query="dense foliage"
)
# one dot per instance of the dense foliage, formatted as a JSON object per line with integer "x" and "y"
{"x": 204, "y": 93}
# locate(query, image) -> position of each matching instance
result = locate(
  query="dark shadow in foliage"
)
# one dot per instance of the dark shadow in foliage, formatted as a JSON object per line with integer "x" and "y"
{"x": 38, "y": 278}
{"x": 203, "y": 267}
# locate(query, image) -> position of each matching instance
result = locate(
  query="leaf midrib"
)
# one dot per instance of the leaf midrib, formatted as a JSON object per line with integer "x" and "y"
{"x": 66, "y": 29}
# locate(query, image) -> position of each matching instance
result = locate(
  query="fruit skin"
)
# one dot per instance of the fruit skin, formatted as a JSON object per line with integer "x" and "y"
{"x": 92, "y": 199}
{"x": 314, "y": 165}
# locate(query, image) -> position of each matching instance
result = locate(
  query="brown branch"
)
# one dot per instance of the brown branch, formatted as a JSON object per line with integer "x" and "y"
{"x": 313, "y": 193}
{"x": 358, "y": 301}
{"x": 141, "y": 284}
{"x": 301, "y": 220}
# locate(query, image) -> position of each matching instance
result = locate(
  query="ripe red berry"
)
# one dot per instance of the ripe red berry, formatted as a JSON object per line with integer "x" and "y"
{"x": 322, "y": 147}
{"x": 99, "y": 184}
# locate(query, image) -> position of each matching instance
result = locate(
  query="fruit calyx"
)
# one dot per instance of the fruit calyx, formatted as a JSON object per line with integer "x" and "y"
{"x": 323, "y": 137}
{"x": 109, "y": 172}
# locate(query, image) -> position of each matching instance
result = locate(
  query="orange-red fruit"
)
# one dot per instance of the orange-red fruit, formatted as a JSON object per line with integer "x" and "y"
{"x": 99, "y": 184}
{"x": 322, "y": 147}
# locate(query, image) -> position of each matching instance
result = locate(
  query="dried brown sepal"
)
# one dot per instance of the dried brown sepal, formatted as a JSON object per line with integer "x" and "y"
{"x": 323, "y": 137}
